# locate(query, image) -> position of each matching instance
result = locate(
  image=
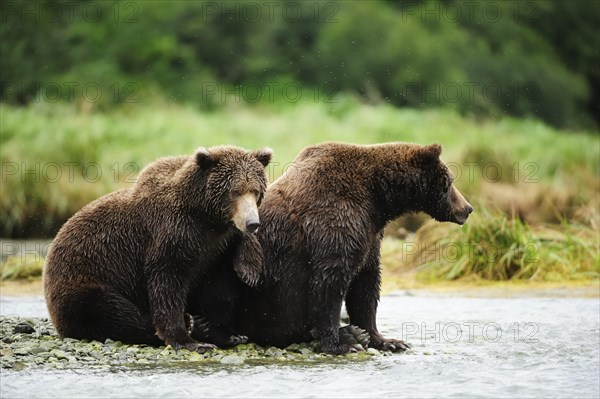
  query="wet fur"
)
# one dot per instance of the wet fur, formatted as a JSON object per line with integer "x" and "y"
{"x": 321, "y": 231}
{"x": 123, "y": 267}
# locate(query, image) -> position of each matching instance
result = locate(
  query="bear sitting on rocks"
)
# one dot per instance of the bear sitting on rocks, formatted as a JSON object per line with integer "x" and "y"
{"x": 321, "y": 229}
{"x": 124, "y": 265}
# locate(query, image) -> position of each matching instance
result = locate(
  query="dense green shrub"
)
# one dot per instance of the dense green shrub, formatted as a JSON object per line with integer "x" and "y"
{"x": 486, "y": 58}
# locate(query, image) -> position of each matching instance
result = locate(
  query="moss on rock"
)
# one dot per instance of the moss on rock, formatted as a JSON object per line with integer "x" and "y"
{"x": 33, "y": 343}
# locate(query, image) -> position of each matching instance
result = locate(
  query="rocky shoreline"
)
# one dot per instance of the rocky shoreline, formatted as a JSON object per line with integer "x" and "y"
{"x": 32, "y": 343}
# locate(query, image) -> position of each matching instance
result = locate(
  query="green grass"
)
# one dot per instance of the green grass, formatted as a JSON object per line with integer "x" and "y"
{"x": 493, "y": 246}
{"x": 547, "y": 175}
{"x": 19, "y": 267}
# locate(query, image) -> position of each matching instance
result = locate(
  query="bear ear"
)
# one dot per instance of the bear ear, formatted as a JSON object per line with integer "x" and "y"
{"x": 204, "y": 159}
{"x": 431, "y": 153}
{"x": 263, "y": 155}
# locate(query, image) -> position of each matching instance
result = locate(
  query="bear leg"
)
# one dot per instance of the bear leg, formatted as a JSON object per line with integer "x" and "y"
{"x": 361, "y": 303}
{"x": 98, "y": 313}
{"x": 325, "y": 308}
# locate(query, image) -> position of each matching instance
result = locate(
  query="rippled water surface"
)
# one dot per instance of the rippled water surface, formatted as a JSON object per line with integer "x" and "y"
{"x": 484, "y": 347}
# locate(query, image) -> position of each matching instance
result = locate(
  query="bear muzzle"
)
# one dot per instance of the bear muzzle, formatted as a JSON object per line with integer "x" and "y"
{"x": 245, "y": 216}
{"x": 252, "y": 226}
{"x": 461, "y": 216}
{"x": 461, "y": 209}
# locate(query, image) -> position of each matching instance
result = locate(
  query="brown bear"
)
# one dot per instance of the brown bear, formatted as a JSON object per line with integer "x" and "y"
{"x": 124, "y": 265}
{"x": 321, "y": 228}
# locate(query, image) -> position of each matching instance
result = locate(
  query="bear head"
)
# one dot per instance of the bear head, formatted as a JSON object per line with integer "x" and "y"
{"x": 439, "y": 198}
{"x": 234, "y": 183}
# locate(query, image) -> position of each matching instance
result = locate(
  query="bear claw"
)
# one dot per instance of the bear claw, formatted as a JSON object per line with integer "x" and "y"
{"x": 237, "y": 340}
{"x": 200, "y": 347}
{"x": 354, "y": 336}
{"x": 200, "y": 328}
{"x": 394, "y": 345}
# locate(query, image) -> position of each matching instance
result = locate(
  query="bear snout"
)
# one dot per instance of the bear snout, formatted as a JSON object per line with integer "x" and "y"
{"x": 461, "y": 209}
{"x": 252, "y": 226}
{"x": 461, "y": 216}
{"x": 245, "y": 215}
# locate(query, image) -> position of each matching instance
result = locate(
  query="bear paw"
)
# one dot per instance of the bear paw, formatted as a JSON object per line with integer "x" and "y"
{"x": 355, "y": 337}
{"x": 339, "y": 349}
{"x": 199, "y": 328}
{"x": 392, "y": 345}
{"x": 199, "y": 347}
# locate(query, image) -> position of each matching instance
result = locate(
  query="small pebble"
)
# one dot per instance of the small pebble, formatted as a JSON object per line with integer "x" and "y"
{"x": 232, "y": 359}
{"x": 23, "y": 328}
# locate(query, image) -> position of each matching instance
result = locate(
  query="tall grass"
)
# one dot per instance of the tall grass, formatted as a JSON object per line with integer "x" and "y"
{"x": 100, "y": 152}
{"x": 493, "y": 246}
{"x": 543, "y": 226}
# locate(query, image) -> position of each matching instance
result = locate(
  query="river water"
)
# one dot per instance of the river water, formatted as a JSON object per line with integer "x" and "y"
{"x": 462, "y": 347}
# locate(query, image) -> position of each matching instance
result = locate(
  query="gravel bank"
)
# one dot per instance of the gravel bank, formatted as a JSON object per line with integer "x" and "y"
{"x": 32, "y": 343}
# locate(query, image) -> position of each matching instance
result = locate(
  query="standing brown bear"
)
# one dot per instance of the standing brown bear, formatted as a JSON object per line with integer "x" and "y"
{"x": 322, "y": 225}
{"x": 123, "y": 266}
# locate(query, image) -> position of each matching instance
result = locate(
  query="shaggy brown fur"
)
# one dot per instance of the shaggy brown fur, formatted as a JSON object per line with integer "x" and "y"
{"x": 124, "y": 265}
{"x": 322, "y": 225}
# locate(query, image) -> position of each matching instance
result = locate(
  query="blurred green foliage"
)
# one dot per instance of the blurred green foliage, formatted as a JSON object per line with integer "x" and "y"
{"x": 484, "y": 57}
{"x": 55, "y": 159}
